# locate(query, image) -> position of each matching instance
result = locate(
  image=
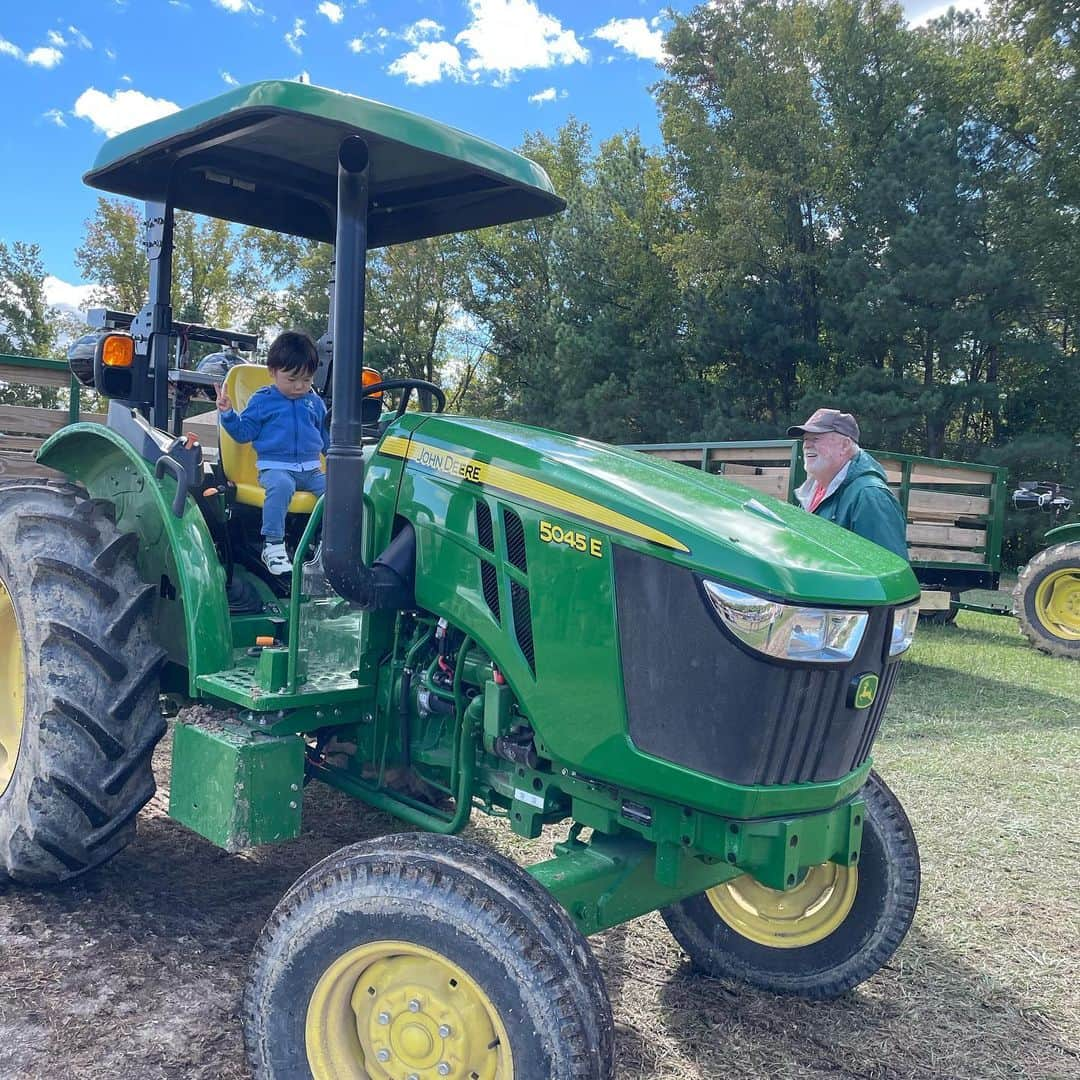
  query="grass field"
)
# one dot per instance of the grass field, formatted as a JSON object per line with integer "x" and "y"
{"x": 137, "y": 969}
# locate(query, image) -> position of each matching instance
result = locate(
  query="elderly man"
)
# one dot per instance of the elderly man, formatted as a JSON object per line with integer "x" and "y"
{"x": 846, "y": 485}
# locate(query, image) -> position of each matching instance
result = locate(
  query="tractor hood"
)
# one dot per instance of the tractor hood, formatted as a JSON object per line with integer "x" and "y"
{"x": 709, "y": 524}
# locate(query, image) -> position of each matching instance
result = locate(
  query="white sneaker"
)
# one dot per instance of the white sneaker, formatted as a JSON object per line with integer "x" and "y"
{"x": 276, "y": 559}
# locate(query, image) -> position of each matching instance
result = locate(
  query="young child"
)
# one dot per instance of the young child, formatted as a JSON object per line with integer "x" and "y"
{"x": 287, "y": 423}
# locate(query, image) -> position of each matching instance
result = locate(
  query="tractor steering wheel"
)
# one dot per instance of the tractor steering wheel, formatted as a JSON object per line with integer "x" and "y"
{"x": 408, "y": 385}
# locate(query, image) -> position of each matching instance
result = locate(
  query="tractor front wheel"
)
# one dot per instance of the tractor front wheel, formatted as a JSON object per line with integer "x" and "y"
{"x": 79, "y": 668}
{"x": 1048, "y": 600}
{"x": 426, "y": 957}
{"x": 834, "y": 930}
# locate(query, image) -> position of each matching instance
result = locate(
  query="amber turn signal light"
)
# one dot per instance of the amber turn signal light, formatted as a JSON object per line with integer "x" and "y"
{"x": 369, "y": 377}
{"x": 118, "y": 350}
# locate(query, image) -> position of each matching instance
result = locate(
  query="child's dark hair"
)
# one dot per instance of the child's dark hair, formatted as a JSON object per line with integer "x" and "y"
{"x": 293, "y": 351}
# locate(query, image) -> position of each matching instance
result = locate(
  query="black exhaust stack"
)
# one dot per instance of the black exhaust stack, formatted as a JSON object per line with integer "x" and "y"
{"x": 388, "y": 583}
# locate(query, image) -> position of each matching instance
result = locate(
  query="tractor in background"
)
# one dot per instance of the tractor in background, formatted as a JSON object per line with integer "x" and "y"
{"x": 1047, "y": 594}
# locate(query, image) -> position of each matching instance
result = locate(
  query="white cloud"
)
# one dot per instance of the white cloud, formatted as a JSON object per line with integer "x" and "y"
{"x": 237, "y": 6}
{"x": 292, "y": 38}
{"x": 112, "y": 113}
{"x": 79, "y": 38}
{"x": 422, "y": 30}
{"x": 332, "y": 11}
{"x": 56, "y": 39}
{"x": 44, "y": 56}
{"x": 635, "y": 37}
{"x": 428, "y": 63}
{"x": 126, "y": 78}
{"x": 55, "y": 116}
{"x": 506, "y": 36}
{"x": 976, "y": 7}
{"x": 110, "y": 54}
{"x": 62, "y": 294}
{"x": 356, "y": 45}
{"x": 544, "y": 96}
{"x": 228, "y": 80}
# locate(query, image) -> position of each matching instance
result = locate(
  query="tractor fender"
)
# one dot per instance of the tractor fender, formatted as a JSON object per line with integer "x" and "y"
{"x": 1063, "y": 534}
{"x": 191, "y": 614}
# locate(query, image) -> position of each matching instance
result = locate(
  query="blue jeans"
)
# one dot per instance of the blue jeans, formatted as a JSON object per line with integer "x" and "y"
{"x": 280, "y": 486}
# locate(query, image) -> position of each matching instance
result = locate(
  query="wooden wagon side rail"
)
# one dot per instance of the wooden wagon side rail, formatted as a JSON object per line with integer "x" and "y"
{"x": 23, "y": 428}
{"x": 954, "y": 509}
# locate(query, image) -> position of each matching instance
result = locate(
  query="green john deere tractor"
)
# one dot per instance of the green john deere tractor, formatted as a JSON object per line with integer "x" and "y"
{"x": 1047, "y": 593}
{"x": 499, "y": 618}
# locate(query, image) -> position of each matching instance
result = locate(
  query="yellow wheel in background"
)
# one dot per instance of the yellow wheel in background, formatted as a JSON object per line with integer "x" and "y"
{"x": 12, "y": 688}
{"x": 391, "y": 1009}
{"x": 1047, "y": 598}
{"x": 790, "y": 919}
{"x": 1057, "y": 603}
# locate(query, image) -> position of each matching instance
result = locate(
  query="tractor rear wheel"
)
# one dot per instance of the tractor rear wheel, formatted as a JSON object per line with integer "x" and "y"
{"x": 427, "y": 957}
{"x": 830, "y": 933}
{"x": 79, "y": 669}
{"x": 1048, "y": 600}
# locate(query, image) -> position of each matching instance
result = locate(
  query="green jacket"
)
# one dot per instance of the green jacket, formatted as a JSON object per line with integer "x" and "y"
{"x": 864, "y": 504}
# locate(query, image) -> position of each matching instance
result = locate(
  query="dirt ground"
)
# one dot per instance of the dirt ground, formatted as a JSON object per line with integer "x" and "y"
{"x": 136, "y": 971}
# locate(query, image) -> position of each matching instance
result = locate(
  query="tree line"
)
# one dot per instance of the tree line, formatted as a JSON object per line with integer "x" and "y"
{"x": 844, "y": 211}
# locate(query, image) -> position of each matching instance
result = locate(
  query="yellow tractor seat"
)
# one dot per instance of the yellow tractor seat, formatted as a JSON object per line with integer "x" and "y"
{"x": 238, "y": 459}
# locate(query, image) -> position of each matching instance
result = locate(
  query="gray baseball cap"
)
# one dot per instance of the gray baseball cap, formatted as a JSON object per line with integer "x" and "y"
{"x": 827, "y": 420}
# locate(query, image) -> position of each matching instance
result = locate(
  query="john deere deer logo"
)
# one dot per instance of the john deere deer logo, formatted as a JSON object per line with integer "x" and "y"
{"x": 865, "y": 690}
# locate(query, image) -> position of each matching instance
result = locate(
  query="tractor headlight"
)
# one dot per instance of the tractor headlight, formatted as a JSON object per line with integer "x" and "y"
{"x": 789, "y": 631}
{"x": 905, "y": 620}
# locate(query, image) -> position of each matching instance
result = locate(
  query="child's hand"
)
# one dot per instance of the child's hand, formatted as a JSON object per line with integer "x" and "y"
{"x": 224, "y": 404}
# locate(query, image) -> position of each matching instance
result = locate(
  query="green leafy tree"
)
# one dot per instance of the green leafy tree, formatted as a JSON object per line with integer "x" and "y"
{"x": 28, "y": 326}
{"x": 112, "y": 255}
{"x": 754, "y": 156}
{"x": 286, "y": 282}
{"x": 207, "y": 286}
{"x": 413, "y": 293}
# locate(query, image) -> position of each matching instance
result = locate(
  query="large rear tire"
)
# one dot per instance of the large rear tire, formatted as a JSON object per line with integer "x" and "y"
{"x": 79, "y": 711}
{"x": 424, "y": 956}
{"x": 835, "y": 930}
{"x": 1048, "y": 600}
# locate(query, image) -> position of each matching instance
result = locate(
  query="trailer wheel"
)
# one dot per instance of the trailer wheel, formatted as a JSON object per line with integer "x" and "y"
{"x": 818, "y": 940}
{"x": 942, "y": 616}
{"x": 428, "y": 957}
{"x": 1048, "y": 600}
{"x": 79, "y": 669}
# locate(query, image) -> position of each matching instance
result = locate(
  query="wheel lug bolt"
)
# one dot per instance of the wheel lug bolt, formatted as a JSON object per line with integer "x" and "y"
{"x": 383, "y": 1055}
{"x": 444, "y": 1031}
{"x": 414, "y": 1005}
{"x": 412, "y": 1076}
{"x": 384, "y": 1018}
{"x": 443, "y": 1069}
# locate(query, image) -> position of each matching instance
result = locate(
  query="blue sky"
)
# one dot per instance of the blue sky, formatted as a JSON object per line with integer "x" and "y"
{"x": 73, "y": 72}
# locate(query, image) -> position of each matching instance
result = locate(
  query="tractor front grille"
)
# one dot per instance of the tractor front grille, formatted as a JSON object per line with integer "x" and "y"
{"x": 697, "y": 698}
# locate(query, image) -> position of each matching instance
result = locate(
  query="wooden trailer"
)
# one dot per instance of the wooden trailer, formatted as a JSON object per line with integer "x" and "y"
{"x": 955, "y": 510}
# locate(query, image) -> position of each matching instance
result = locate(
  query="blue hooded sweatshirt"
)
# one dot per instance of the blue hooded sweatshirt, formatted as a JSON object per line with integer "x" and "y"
{"x": 288, "y": 433}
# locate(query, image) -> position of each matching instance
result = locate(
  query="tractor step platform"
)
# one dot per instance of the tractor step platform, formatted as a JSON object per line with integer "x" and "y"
{"x": 259, "y": 681}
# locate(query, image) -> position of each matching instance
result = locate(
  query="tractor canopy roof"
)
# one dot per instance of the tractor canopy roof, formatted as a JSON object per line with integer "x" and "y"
{"x": 266, "y": 155}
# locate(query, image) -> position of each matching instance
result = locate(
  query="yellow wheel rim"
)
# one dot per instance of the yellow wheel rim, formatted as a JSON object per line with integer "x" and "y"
{"x": 12, "y": 688}
{"x": 1057, "y": 603}
{"x": 392, "y": 1010}
{"x": 789, "y": 919}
